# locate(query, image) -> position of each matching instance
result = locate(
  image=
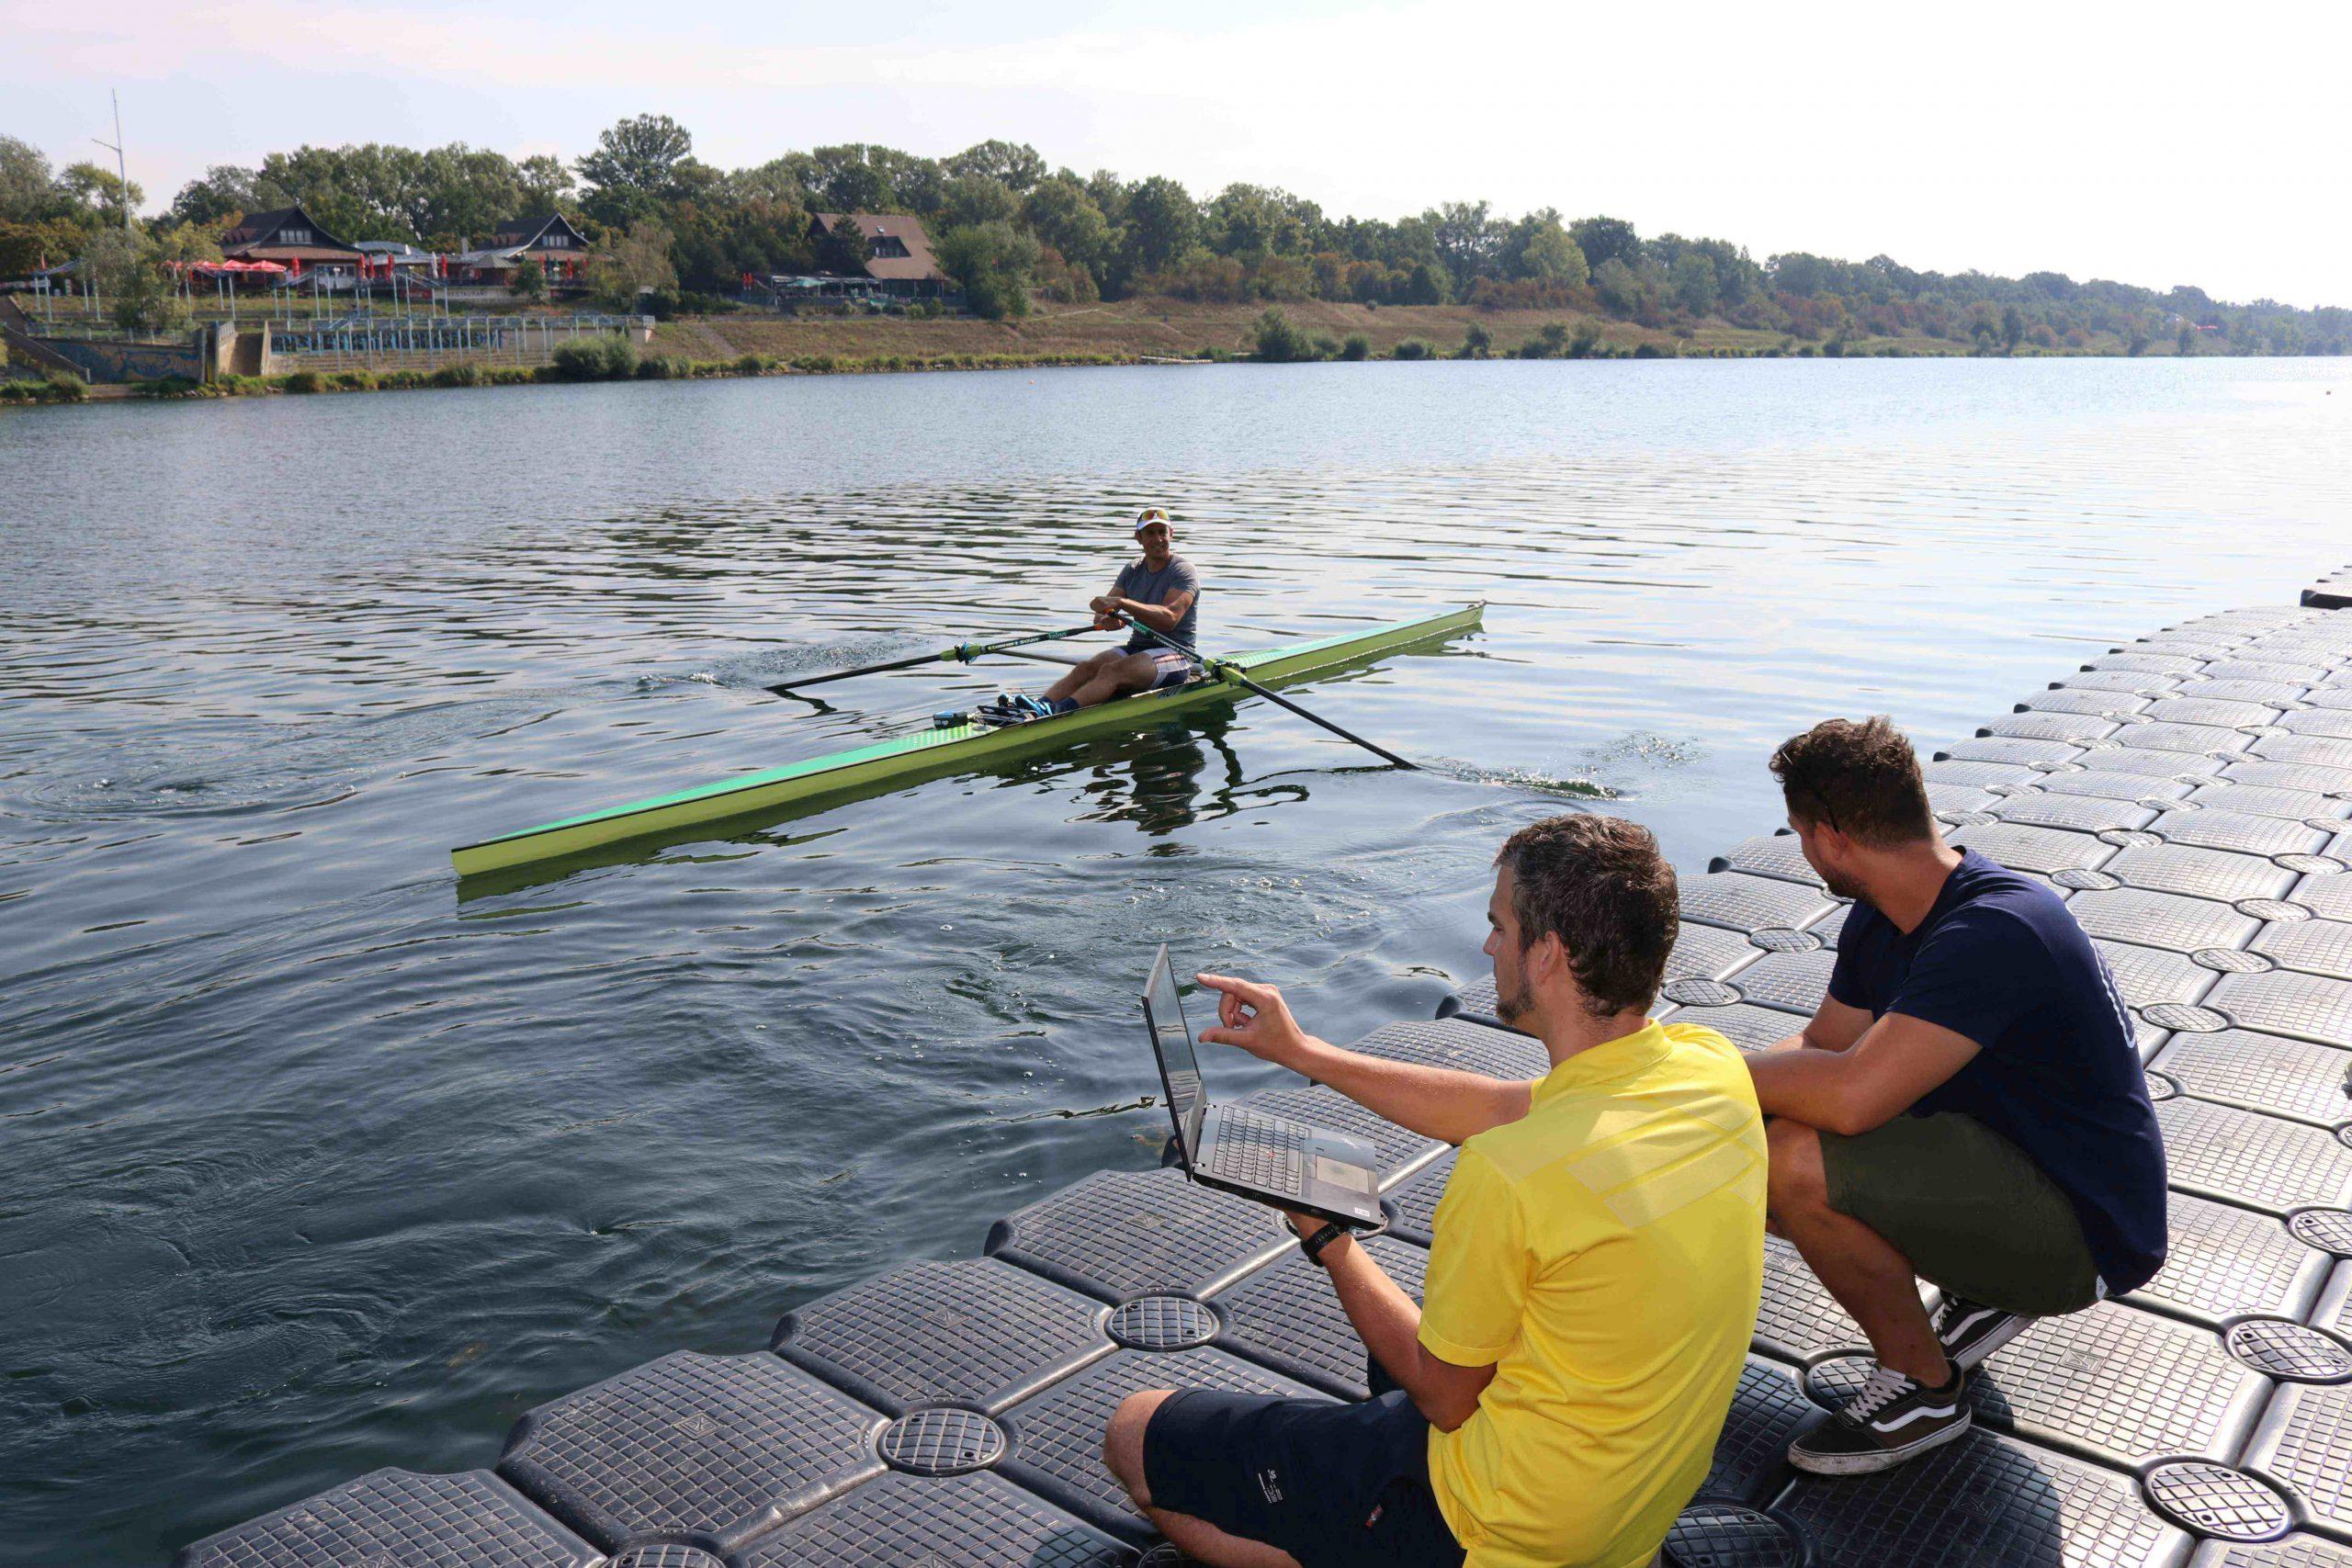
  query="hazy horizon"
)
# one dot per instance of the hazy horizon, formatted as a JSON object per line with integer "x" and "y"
{"x": 2037, "y": 142}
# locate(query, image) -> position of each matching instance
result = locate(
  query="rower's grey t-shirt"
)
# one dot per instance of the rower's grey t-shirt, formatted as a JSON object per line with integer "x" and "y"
{"x": 1145, "y": 586}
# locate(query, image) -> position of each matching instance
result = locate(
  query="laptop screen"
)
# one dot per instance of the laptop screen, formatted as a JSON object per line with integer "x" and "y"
{"x": 1173, "y": 1040}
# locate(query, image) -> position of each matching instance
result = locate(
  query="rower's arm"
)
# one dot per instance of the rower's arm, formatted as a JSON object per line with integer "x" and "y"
{"x": 1158, "y": 617}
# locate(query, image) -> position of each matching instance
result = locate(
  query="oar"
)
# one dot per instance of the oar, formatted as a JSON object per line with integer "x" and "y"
{"x": 1225, "y": 670}
{"x": 962, "y": 653}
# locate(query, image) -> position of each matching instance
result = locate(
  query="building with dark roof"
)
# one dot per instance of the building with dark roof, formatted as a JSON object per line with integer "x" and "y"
{"x": 549, "y": 241}
{"x": 897, "y": 252}
{"x": 293, "y": 239}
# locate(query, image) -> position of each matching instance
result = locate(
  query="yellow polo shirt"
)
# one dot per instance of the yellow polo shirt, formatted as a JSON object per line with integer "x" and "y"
{"x": 1605, "y": 1253}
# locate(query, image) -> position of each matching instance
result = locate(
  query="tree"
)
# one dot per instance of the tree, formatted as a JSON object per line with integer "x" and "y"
{"x": 2185, "y": 340}
{"x": 854, "y": 178}
{"x": 224, "y": 191}
{"x": 99, "y": 192}
{"x": 634, "y": 165}
{"x": 774, "y": 181}
{"x": 632, "y": 262}
{"x": 530, "y": 282}
{"x": 28, "y": 193}
{"x": 992, "y": 263}
{"x": 1063, "y": 214}
{"x": 1162, "y": 223}
{"x": 1466, "y": 239}
{"x": 468, "y": 190}
{"x": 1606, "y": 239}
{"x": 719, "y": 240}
{"x": 1279, "y": 341}
{"x": 1694, "y": 282}
{"x": 1619, "y": 289}
{"x": 27, "y": 246}
{"x": 544, "y": 183}
{"x": 2012, "y": 328}
{"x": 974, "y": 199}
{"x": 1425, "y": 284}
{"x": 1539, "y": 248}
{"x": 1013, "y": 164}
{"x": 128, "y": 269}
{"x": 1247, "y": 219}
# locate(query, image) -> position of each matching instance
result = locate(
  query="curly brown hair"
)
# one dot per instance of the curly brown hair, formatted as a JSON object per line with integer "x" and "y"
{"x": 1599, "y": 884}
{"x": 1861, "y": 779}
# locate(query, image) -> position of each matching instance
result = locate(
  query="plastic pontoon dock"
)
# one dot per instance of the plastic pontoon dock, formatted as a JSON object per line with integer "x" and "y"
{"x": 2191, "y": 793}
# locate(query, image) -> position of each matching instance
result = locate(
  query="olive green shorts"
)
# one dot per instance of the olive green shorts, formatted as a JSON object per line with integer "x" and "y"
{"x": 1970, "y": 1208}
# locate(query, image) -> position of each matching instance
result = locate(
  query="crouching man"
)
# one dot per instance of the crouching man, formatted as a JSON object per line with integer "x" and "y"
{"x": 1592, "y": 1284}
{"x": 1966, "y": 1107}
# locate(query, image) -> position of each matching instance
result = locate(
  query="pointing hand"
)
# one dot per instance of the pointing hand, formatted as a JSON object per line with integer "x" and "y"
{"x": 1255, "y": 1017}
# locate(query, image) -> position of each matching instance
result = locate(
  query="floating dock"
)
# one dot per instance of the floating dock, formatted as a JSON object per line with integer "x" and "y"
{"x": 2190, "y": 793}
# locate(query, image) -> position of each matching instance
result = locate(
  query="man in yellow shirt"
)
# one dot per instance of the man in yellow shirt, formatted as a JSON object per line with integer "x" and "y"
{"x": 1592, "y": 1284}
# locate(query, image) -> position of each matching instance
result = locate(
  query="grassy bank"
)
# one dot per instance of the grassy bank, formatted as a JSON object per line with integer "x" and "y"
{"x": 1127, "y": 331}
{"x": 1159, "y": 327}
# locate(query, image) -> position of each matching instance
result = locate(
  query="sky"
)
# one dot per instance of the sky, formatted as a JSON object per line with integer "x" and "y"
{"x": 2151, "y": 145}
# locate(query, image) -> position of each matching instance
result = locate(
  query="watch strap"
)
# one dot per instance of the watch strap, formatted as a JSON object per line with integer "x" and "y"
{"x": 1312, "y": 1245}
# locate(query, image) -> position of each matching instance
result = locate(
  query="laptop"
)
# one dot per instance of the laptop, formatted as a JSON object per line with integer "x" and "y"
{"x": 1271, "y": 1159}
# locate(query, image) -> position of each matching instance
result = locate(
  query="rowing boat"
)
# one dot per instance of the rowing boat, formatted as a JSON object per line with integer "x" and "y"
{"x": 949, "y": 747}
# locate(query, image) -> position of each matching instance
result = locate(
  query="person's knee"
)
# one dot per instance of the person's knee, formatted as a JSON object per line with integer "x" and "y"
{"x": 1122, "y": 1440}
{"x": 1797, "y": 1183}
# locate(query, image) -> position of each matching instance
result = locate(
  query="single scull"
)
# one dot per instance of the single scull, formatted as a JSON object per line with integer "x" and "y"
{"x": 944, "y": 749}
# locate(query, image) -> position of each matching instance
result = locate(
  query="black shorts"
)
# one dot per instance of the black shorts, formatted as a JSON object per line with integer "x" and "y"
{"x": 1328, "y": 1484}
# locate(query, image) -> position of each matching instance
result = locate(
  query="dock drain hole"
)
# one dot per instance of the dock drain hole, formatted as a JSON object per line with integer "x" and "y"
{"x": 1162, "y": 1323}
{"x": 2213, "y": 1500}
{"x": 2185, "y": 1018}
{"x": 1783, "y": 939}
{"x": 2282, "y": 1349}
{"x": 942, "y": 1440}
{"x": 2328, "y": 1230}
{"x": 2232, "y": 960}
{"x": 665, "y": 1555}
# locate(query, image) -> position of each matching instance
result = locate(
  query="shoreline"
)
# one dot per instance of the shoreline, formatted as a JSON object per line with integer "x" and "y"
{"x": 1143, "y": 330}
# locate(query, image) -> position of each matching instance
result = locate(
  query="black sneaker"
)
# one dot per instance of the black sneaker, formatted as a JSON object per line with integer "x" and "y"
{"x": 1970, "y": 1331}
{"x": 1891, "y": 1419}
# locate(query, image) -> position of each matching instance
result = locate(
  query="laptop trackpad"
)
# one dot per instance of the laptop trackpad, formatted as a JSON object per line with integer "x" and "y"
{"x": 1346, "y": 1177}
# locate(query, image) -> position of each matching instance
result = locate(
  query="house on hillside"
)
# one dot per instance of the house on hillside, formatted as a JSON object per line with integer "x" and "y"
{"x": 294, "y": 240}
{"x": 897, "y": 252}
{"x": 548, "y": 242}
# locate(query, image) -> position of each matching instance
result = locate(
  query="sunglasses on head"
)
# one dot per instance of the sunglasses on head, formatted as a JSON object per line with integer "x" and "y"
{"x": 1796, "y": 778}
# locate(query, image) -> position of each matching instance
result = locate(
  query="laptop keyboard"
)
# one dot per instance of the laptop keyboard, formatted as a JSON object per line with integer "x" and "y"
{"x": 1261, "y": 1151}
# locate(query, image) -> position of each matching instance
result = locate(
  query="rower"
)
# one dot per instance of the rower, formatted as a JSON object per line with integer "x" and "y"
{"x": 1160, "y": 591}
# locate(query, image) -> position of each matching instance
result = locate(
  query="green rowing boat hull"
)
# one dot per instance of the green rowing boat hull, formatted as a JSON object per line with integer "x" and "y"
{"x": 929, "y": 752}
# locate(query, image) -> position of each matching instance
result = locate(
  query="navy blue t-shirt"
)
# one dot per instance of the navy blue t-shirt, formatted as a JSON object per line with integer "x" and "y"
{"x": 2000, "y": 960}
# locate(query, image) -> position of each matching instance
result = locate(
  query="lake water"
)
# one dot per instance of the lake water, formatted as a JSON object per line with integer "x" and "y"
{"x": 312, "y": 1167}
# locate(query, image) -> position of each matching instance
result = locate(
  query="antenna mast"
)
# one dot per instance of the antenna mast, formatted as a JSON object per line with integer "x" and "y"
{"x": 123, "y": 168}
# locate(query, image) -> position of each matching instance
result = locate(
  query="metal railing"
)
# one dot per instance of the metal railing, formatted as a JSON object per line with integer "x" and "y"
{"x": 360, "y": 340}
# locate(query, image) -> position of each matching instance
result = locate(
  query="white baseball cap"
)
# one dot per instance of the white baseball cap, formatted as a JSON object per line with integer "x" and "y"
{"x": 1150, "y": 515}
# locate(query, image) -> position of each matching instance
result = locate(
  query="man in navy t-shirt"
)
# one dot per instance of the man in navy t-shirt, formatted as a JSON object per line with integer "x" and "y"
{"x": 1965, "y": 1107}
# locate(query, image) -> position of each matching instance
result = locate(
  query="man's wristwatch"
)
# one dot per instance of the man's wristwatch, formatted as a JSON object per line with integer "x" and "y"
{"x": 1312, "y": 1245}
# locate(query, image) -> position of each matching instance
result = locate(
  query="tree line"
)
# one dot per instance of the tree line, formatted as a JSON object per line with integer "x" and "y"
{"x": 1007, "y": 227}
